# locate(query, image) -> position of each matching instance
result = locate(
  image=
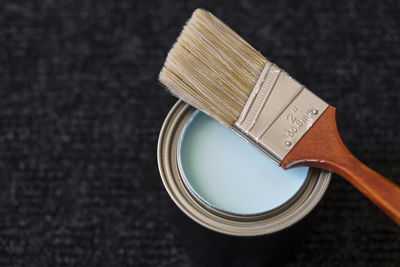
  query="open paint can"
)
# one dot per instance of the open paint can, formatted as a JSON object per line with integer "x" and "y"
{"x": 227, "y": 185}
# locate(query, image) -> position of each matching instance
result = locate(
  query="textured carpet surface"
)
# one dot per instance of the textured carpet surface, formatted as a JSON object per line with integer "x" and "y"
{"x": 81, "y": 109}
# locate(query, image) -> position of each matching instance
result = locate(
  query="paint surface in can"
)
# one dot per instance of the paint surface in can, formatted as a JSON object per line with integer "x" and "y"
{"x": 227, "y": 173}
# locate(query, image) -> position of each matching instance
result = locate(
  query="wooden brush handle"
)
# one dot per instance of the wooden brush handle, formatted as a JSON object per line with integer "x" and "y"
{"x": 322, "y": 147}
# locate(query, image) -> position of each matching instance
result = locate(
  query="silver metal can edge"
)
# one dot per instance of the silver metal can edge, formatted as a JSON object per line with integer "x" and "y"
{"x": 206, "y": 216}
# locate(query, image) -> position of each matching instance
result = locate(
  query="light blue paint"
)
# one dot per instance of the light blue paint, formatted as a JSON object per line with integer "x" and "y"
{"x": 228, "y": 173}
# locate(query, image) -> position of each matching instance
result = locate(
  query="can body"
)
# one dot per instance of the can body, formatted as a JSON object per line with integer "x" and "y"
{"x": 271, "y": 221}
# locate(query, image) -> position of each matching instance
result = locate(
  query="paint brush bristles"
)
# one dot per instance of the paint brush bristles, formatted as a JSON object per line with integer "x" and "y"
{"x": 212, "y": 68}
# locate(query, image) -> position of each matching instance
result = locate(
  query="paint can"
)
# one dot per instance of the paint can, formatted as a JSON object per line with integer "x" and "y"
{"x": 261, "y": 223}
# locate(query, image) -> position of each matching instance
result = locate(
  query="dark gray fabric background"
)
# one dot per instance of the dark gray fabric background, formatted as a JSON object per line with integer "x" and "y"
{"x": 81, "y": 109}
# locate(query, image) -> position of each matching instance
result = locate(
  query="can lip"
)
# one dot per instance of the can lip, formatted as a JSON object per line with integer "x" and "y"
{"x": 232, "y": 224}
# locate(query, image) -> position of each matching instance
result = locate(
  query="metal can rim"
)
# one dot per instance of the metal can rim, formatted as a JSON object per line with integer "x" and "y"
{"x": 216, "y": 220}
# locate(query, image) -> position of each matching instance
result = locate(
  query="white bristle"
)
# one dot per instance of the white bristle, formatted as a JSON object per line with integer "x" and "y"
{"x": 212, "y": 68}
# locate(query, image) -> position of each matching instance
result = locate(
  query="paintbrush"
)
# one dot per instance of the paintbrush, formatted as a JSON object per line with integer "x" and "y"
{"x": 215, "y": 70}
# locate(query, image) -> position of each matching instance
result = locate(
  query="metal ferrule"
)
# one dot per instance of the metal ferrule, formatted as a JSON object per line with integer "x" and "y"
{"x": 278, "y": 113}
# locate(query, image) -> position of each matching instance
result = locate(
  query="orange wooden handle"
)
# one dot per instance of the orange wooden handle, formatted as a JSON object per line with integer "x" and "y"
{"x": 322, "y": 147}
